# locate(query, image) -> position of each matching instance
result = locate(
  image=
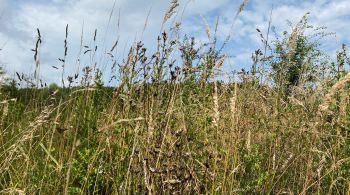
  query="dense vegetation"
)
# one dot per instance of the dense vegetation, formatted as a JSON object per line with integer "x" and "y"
{"x": 175, "y": 125}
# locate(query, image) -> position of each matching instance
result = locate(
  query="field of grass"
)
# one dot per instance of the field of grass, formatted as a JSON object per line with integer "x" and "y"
{"x": 180, "y": 125}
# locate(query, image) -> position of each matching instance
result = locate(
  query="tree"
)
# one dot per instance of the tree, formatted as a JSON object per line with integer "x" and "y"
{"x": 296, "y": 56}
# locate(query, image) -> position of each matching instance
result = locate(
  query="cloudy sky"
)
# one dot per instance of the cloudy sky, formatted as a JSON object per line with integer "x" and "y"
{"x": 19, "y": 20}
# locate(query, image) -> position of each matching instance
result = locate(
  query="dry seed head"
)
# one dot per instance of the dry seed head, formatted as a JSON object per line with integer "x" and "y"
{"x": 207, "y": 28}
{"x": 220, "y": 62}
{"x": 130, "y": 56}
{"x": 171, "y": 10}
{"x": 321, "y": 165}
{"x": 297, "y": 30}
{"x": 13, "y": 191}
{"x": 292, "y": 41}
{"x": 243, "y": 4}
{"x": 344, "y": 98}
{"x": 5, "y": 110}
{"x": 248, "y": 139}
{"x": 286, "y": 162}
{"x": 335, "y": 88}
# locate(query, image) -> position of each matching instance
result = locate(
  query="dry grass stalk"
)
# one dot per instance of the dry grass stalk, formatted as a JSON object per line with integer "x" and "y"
{"x": 120, "y": 121}
{"x": 241, "y": 8}
{"x": 151, "y": 122}
{"x": 146, "y": 21}
{"x": 146, "y": 177}
{"x": 233, "y": 104}
{"x": 234, "y": 114}
{"x": 216, "y": 106}
{"x": 135, "y": 142}
{"x": 217, "y": 24}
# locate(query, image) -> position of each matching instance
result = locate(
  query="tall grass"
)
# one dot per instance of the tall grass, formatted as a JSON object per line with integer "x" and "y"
{"x": 171, "y": 126}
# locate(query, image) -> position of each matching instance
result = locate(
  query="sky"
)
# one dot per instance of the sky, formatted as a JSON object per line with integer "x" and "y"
{"x": 19, "y": 20}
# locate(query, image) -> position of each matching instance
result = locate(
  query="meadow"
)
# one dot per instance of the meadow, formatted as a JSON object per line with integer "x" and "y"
{"x": 182, "y": 125}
